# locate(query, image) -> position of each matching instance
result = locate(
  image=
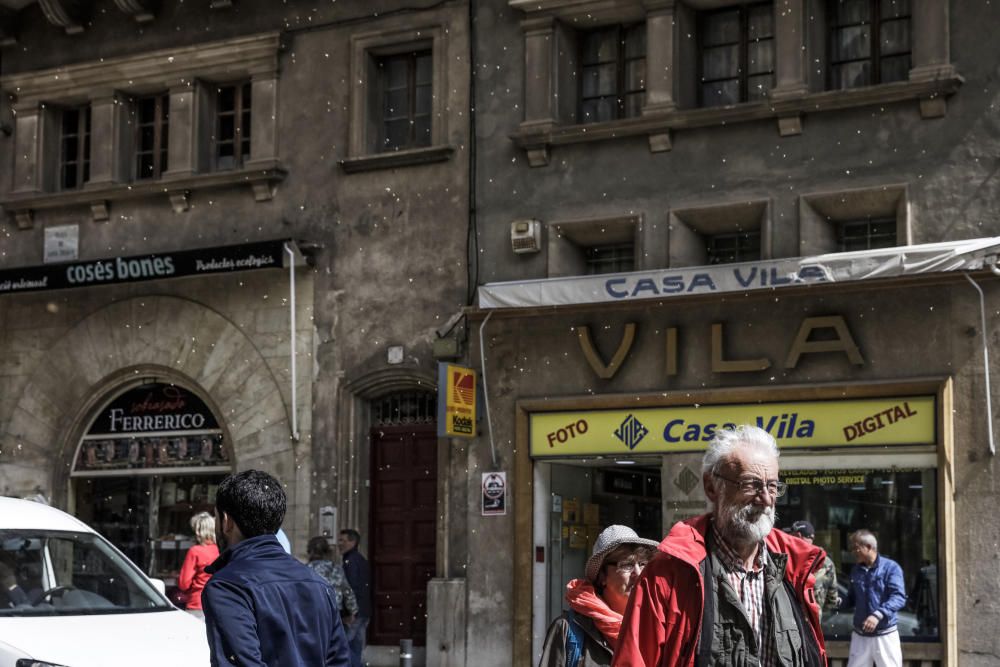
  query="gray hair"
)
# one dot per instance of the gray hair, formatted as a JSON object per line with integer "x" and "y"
{"x": 728, "y": 440}
{"x": 203, "y": 525}
{"x": 865, "y": 537}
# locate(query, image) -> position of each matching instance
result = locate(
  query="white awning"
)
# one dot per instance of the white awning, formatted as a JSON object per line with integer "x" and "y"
{"x": 969, "y": 255}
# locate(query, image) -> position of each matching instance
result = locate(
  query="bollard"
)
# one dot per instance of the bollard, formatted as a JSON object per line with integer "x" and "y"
{"x": 405, "y": 653}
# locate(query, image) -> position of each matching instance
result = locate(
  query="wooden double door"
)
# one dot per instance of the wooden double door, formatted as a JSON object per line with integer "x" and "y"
{"x": 403, "y": 530}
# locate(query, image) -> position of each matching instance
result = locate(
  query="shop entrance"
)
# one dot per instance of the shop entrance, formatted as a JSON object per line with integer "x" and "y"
{"x": 403, "y": 516}
{"x": 152, "y": 457}
{"x": 585, "y": 500}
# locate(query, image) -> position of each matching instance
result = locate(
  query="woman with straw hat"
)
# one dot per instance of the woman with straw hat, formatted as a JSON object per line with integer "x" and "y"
{"x": 587, "y": 634}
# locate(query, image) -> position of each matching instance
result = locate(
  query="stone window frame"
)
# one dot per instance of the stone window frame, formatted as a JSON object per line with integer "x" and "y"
{"x": 821, "y": 212}
{"x": 364, "y": 49}
{"x": 567, "y": 240}
{"x": 669, "y": 108}
{"x": 688, "y": 227}
{"x": 186, "y": 73}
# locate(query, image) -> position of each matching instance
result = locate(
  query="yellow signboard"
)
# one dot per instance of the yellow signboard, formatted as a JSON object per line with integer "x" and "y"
{"x": 457, "y": 414}
{"x": 907, "y": 420}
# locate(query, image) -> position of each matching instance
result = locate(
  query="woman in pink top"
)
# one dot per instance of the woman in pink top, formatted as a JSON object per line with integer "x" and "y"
{"x": 193, "y": 576}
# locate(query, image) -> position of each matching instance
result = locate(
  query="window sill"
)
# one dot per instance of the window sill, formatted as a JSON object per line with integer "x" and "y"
{"x": 262, "y": 179}
{"x": 394, "y": 159}
{"x": 536, "y": 138}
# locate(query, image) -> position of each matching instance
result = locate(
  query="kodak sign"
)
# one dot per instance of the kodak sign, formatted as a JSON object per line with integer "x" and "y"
{"x": 456, "y": 401}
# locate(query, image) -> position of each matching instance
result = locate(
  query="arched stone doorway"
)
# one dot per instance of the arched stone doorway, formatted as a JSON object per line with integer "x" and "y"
{"x": 151, "y": 457}
{"x": 174, "y": 340}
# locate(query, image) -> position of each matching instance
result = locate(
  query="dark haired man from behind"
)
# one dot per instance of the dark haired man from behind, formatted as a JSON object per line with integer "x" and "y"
{"x": 263, "y": 607}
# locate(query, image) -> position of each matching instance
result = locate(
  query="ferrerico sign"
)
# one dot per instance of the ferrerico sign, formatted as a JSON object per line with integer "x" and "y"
{"x": 153, "y": 407}
{"x": 138, "y": 268}
{"x": 908, "y": 420}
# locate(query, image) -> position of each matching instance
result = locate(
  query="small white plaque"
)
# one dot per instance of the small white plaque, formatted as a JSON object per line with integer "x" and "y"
{"x": 395, "y": 355}
{"x": 62, "y": 244}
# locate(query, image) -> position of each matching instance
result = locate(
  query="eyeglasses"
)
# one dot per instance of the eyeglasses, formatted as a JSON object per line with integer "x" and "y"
{"x": 754, "y": 487}
{"x": 627, "y": 565}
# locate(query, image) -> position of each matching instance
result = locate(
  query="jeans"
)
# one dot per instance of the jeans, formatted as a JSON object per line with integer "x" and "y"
{"x": 356, "y": 639}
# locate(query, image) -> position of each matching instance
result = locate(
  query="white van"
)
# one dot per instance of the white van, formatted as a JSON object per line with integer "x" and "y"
{"x": 69, "y": 598}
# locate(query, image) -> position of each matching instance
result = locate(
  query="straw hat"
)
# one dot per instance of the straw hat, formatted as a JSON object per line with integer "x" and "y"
{"x": 610, "y": 539}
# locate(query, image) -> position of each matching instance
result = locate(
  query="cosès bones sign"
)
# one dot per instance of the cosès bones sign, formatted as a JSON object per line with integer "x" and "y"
{"x": 837, "y": 339}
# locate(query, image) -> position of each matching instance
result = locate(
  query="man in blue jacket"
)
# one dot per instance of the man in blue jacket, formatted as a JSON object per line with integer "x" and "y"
{"x": 263, "y": 607}
{"x": 877, "y": 592}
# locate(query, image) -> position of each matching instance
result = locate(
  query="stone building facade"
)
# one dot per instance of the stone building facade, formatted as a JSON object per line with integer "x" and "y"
{"x": 708, "y": 157}
{"x": 252, "y": 155}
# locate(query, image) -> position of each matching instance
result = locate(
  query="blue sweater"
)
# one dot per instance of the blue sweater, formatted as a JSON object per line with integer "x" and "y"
{"x": 263, "y": 608}
{"x": 877, "y": 590}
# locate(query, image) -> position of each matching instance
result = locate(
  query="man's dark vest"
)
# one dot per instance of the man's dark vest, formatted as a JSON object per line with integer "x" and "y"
{"x": 728, "y": 639}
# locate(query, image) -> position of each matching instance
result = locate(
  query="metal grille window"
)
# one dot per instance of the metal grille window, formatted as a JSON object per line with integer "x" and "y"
{"x": 737, "y": 54}
{"x": 406, "y": 83}
{"x": 869, "y": 42}
{"x": 610, "y": 258}
{"x": 867, "y": 234}
{"x": 74, "y": 145}
{"x": 232, "y": 125}
{"x": 409, "y": 407}
{"x": 612, "y": 73}
{"x": 152, "y": 127}
{"x": 732, "y": 248}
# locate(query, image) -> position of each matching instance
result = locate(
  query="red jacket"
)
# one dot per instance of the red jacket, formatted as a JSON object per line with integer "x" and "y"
{"x": 662, "y": 622}
{"x": 193, "y": 577}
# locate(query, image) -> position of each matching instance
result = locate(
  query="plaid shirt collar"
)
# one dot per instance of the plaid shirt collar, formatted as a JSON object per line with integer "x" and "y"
{"x": 730, "y": 560}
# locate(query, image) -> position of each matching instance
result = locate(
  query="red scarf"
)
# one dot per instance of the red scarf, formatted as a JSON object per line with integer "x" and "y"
{"x": 583, "y": 599}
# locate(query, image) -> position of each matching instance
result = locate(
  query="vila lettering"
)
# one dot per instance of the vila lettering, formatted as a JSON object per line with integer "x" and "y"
{"x": 878, "y": 421}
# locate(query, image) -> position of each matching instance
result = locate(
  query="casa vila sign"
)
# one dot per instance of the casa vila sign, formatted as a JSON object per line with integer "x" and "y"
{"x": 836, "y": 339}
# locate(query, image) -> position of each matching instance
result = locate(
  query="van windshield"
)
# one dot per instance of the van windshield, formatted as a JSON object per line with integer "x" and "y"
{"x": 56, "y": 573}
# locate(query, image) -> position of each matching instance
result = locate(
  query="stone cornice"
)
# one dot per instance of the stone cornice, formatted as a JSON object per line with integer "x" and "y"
{"x": 243, "y": 56}
{"x": 582, "y": 11}
{"x": 395, "y": 159}
{"x": 262, "y": 181}
{"x": 537, "y": 138}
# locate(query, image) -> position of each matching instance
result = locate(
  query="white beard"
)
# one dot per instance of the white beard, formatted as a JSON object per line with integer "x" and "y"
{"x": 746, "y": 524}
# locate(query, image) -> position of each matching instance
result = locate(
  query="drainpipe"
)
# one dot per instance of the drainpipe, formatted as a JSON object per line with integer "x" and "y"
{"x": 486, "y": 393}
{"x": 291, "y": 338}
{"x": 986, "y": 358}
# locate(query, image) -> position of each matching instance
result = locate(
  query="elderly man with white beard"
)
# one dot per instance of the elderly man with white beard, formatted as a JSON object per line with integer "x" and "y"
{"x": 725, "y": 588}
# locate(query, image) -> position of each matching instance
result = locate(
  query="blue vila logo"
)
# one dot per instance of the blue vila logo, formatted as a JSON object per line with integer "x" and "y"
{"x": 631, "y": 431}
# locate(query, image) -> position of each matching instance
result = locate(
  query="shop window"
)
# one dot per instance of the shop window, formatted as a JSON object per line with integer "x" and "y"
{"x": 74, "y": 147}
{"x": 589, "y": 500}
{"x": 899, "y": 507}
{"x": 593, "y": 246}
{"x": 736, "y": 54}
{"x": 866, "y": 234}
{"x": 734, "y": 247}
{"x": 612, "y": 73}
{"x": 232, "y": 125}
{"x": 846, "y": 220}
{"x": 869, "y": 42}
{"x": 719, "y": 234}
{"x": 152, "y": 457}
{"x": 405, "y": 82}
{"x": 152, "y": 119}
